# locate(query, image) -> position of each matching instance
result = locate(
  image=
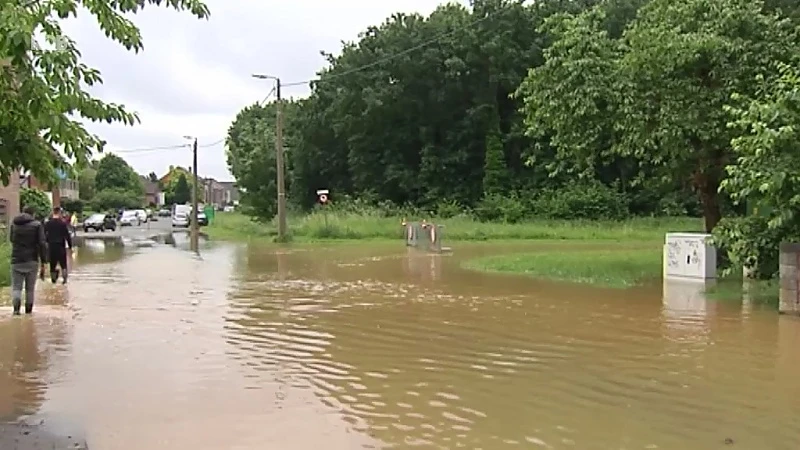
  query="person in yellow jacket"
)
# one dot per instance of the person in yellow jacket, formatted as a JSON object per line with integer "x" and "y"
{"x": 73, "y": 223}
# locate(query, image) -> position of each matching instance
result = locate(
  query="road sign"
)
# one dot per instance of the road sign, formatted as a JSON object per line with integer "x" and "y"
{"x": 322, "y": 194}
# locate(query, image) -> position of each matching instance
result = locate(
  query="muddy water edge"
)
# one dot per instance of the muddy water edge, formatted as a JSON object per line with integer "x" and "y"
{"x": 345, "y": 347}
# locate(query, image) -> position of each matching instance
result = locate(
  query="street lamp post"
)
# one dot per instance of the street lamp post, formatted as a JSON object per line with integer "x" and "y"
{"x": 281, "y": 183}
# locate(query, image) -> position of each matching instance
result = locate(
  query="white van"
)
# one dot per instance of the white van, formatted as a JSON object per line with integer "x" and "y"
{"x": 178, "y": 210}
{"x": 142, "y": 215}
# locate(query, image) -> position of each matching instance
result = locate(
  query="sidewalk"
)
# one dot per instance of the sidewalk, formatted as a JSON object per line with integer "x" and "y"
{"x": 21, "y": 436}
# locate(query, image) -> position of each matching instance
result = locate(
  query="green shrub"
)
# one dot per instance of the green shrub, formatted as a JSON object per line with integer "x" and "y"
{"x": 500, "y": 208}
{"x": 591, "y": 201}
{"x": 38, "y": 200}
{"x": 72, "y": 205}
{"x": 113, "y": 199}
{"x": 751, "y": 243}
{"x": 5, "y": 260}
{"x": 446, "y": 209}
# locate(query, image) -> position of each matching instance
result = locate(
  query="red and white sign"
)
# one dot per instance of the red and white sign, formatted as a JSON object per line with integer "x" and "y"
{"x": 322, "y": 195}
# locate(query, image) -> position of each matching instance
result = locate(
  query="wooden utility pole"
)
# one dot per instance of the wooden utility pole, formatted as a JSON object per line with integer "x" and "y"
{"x": 279, "y": 164}
{"x": 281, "y": 183}
{"x": 195, "y": 233}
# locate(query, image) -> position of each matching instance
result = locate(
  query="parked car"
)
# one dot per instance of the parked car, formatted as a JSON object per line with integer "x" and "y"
{"x": 180, "y": 220}
{"x": 163, "y": 213}
{"x": 202, "y": 219}
{"x": 99, "y": 222}
{"x": 129, "y": 218}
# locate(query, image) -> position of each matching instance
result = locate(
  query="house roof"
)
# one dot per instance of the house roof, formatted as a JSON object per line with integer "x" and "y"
{"x": 150, "y": 188}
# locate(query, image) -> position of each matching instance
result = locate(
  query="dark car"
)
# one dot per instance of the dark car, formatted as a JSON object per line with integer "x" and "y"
{"x": 99, "y": 222}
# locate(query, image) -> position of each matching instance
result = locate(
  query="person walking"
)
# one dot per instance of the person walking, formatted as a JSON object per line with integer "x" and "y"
{"x": 73, "y": 223}
{"x": 58, "y": 237}
{"x": 28, "y": 252}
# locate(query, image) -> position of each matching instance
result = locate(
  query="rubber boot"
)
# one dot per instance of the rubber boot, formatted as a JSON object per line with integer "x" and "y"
{"x": 64, "y": 278}
{"x": 54, "y": 276}
{"x": 28, "y": 308}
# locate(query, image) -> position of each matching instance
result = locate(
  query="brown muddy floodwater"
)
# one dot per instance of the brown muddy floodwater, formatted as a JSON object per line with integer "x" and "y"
{"x": 350, "y": 347}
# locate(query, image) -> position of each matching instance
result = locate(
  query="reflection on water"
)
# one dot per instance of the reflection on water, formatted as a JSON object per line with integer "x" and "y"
{"x": 98, "y": 251}
{"x": 364, "y": 346}
{"x": 29, "y": 360}
{"x": 685, "y": 306}
{"x": 423, "y": 266}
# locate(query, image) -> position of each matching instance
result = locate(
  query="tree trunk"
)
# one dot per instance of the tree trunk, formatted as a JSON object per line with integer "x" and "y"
{"x": 708, "y": 191}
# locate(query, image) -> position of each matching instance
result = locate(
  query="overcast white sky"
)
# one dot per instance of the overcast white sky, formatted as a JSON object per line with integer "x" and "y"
{"x": 194, "y": 75}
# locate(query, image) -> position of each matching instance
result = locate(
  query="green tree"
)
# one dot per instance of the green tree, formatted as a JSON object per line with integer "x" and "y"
{"x": 413, "y": 128}
{"x": 114, "y": 173}
{"x": 495, "y": 172}
{"x": 182, "y": 193}
{"x": 114, "y": 199}
{"x": 765, "y": 173}
{"x": 72, "y": 205}
{"x": 43, "y": 88}
{"x": 86, "y": 183}
{"x": 251, "y": 155}
{"x": 657, "y": 94}
{"x": 38, "y": 200}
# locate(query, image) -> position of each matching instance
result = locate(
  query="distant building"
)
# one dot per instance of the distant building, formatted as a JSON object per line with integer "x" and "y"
{"x": 9, "y": 199}
{"x": 230, "y": 194}
{"x": 152, "y": 192}
{"x": 213, "y": 192}
{"x": 66, "y": 188}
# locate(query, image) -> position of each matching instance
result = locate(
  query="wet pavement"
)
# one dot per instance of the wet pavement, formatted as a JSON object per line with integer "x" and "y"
{"x": 371, "y": 346}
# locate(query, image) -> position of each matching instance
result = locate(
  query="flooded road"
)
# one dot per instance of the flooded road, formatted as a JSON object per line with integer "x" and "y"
{"x": 361, "y": 346}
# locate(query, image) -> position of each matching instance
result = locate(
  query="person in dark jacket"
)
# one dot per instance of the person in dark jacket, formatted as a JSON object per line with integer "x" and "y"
{"x": 58, "y": 238}
{"x": 28, "y": 252}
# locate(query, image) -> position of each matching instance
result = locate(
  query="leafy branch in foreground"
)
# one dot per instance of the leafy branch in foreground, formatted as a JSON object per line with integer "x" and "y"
{"x": 765, "y": 172}
{"x": 43, "y": 83}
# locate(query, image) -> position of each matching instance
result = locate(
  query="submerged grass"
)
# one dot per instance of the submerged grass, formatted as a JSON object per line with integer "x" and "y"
{"x": 619, "y": 268}
{"x": 349, "y": 226}
{"x": 734, "y": 289}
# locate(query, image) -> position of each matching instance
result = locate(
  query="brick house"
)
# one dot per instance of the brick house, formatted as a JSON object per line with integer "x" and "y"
{"x": 9, "y": 199}
{"x": 66, "y": 188}
{"x": 230, "y": 193}
{"x": 213, "y": 192}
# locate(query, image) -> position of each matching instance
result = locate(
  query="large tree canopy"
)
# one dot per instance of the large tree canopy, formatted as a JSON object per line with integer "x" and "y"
{"x": 559, "y": 109}
{"x": 251, "y": 153}
{"x": 764, "y": 171}
{"x": 657, "y": 93}
{"x": 114, "y": 173}
{"x": 43, "y": 82}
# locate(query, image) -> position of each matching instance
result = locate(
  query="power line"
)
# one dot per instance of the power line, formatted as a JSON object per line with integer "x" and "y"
{"x": 151, "y": 149}
{"x": 406, "y": 51}
{"x": 268, "y": 96}
{"x": 217, "y": 142}
{"x": 165, "y": 147}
